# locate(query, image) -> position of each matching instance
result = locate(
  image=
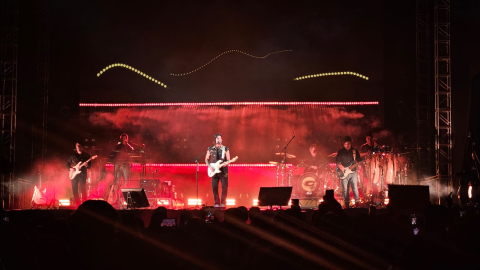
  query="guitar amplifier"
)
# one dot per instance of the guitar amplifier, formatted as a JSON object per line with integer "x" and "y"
{"x": 152, "y": 187}
{"x": 156, "y": 188}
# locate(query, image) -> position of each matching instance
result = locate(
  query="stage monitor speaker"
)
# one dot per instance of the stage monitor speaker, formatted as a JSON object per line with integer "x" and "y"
{"x": 269, "y": 196}
{"x": 405, "y": 197}
{"x": 135, "y": 197}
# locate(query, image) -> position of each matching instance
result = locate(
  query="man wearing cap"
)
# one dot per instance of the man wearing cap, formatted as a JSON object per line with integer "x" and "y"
{"x": 215, "y": 153}
{"x": 347, "y": 157}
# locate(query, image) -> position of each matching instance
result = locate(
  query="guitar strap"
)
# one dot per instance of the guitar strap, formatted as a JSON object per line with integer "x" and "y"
{"x": 354, "y": 155}
{"x": 223, "y": 152}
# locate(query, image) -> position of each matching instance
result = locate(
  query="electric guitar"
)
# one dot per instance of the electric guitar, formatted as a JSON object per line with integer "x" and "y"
{"x": 39, "y": 197}
{"x": 348, "y": 169}
{"x": 73, "y": 173}
{"x": 217, "y": 165}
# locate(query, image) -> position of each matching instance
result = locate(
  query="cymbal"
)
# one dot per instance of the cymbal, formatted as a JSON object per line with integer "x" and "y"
{"x": 288, "y": 155}
{"x": 274, "y": 163}
{"x": 332, "y": 155}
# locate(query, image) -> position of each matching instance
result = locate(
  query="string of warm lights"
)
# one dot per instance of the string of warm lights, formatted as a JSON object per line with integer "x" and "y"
{"x": 197, "y": 69}
{"x": 132, "y": 69}
{"x": 331, "y": 74}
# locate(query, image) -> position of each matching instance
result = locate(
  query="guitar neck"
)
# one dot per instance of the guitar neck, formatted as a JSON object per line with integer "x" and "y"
{"x": 85, "y": 163}
{"x": 355, "y": 165}
{"x": 229, "y": 161}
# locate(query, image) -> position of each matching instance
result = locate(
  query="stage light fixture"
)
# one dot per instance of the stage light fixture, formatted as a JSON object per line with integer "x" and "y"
{"x": 64, "y": 202}
{"x": 163, "y": 202}
{"x": 230, "y": 202}
{"x": 354, "y": 103}
{"x": 255, "y": 202}
{"x": 194, "y": 201}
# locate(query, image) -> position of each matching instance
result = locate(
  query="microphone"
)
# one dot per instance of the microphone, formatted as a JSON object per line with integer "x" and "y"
{"x": 293, "y": 134}
{"x": 130, "y": 146}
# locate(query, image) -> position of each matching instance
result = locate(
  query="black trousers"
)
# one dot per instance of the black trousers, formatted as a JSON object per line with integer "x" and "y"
{"x": 79, "y": 181}
{"x": 215, "y": 181}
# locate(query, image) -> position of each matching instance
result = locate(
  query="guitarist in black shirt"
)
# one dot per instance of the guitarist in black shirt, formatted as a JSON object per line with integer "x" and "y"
{"x": 80, "y": 179}
{"x": 215, "y": 153}
{"x": 347, "y": 161}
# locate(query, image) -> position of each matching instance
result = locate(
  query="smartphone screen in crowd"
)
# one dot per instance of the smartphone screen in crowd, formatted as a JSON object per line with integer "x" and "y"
{"x": 169, "y": 222}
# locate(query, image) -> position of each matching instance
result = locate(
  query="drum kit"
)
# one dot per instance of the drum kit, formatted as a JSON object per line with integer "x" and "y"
{"x": 306, "y": 183}
{"x": 383, "y": 167}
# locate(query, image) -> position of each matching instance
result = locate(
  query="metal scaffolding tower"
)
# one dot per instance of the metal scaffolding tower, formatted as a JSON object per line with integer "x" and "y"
{"x": 423, "y": 88}
{"x": 8, "y": 102}
{"x": 443, "y": 102}
{"x": 39, "y": 128}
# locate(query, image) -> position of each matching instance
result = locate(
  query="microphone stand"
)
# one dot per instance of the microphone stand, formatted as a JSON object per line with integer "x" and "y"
{"x": 196, "y": 161}
{"x": 284, "y": 150}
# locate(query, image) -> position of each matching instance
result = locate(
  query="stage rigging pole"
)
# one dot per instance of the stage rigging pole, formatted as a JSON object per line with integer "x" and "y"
{"x": 443, "y": 102}
{"x": 8, "y": 99}
{"x": 424, "y": 92}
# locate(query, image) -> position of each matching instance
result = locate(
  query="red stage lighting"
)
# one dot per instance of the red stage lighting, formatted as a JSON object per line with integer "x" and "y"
{"x": 270, "y": 103}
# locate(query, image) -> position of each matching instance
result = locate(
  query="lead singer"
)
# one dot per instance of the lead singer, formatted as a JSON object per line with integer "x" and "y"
{"x": 215, "y": 153}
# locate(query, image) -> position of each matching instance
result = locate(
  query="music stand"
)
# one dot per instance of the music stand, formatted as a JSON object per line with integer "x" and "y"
{"x": 269, "y": 196}
{"x": 135, "y": 197}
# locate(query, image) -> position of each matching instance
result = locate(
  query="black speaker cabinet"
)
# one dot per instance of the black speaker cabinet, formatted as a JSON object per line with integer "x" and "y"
{"x": 269, "y": 196}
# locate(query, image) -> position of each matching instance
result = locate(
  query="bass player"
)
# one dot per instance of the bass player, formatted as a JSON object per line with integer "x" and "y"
{"x": 215, "y": 153}
{"x": 76, "y": 159}
{"x": 347, "y": 159}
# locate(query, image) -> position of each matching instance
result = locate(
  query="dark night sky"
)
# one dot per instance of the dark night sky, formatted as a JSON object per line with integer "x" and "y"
{"x": 163, "y": 37}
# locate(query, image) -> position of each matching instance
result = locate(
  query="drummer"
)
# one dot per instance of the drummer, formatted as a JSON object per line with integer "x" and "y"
{"x": 369, "y": 147}
{"x": 313, "y": 162}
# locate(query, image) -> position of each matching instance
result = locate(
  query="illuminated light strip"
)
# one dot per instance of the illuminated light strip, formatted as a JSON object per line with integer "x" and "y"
{"x": 331, "y": 74}
{"x": 268, "y": 103}
{"x": 201, "y": 165}
{"x": 132, "y": 69}
{"x": 194, "y": 201}
{"x": 258, "y": 57}
{"x": 64, "y": 202}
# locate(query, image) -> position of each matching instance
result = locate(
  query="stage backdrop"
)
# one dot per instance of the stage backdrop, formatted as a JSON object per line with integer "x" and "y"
{"x": 176, "y": 134}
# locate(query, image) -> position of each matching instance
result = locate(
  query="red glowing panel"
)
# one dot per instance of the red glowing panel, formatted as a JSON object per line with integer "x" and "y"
{"x": 271, "y": 103}
{"x": 200, "y": 165}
